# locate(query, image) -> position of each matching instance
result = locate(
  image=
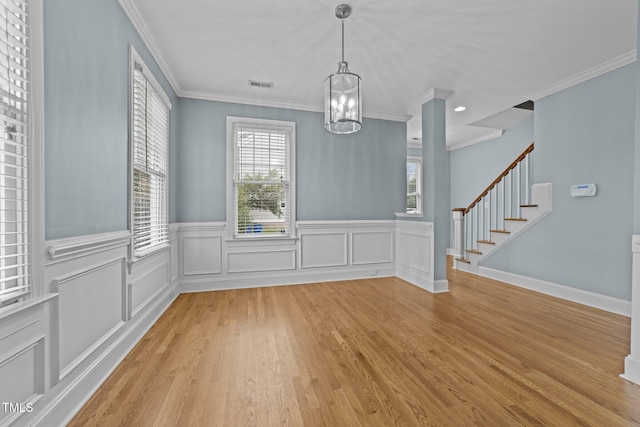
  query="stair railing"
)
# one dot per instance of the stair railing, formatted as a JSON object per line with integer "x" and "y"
{"x": 500, "y": 201}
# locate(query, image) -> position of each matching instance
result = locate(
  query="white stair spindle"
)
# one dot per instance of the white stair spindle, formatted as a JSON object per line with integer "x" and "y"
{"x": 518, "y": 201}
{"x": 527, "y": 184}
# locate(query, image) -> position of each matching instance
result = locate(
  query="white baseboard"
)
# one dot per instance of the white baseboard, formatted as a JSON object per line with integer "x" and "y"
{"x": 631, "y": 369}
{"x": 591, "y": 299}
{"x": 421, "y": 279}
{"x": 243, "y": 281}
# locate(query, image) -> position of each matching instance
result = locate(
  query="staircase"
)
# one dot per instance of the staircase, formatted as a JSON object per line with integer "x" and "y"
{"x": 507, "y": 207}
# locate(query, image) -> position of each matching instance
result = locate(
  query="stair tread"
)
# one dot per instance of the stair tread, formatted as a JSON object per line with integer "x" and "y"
{"x": 487, "y": 242}
{"x": 515, "y": 219}
{"x": 463, "y": 260}
{"x": 501, "y": 231}
{"x": 473, "y": 251}
{"x": 528, "y": 206}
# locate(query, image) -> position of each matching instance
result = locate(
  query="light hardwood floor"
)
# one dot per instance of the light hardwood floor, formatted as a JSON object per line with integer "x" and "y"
{"x": 373, "y": 352}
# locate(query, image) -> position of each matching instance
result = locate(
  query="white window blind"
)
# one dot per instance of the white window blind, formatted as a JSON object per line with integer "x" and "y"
{"x": 150, "y": 140}
{"x": 15, "y": 108}
{"x": 262, "y": 190}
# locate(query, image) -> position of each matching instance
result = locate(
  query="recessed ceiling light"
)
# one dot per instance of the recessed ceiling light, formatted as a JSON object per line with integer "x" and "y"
{"x": 459, "y": 108}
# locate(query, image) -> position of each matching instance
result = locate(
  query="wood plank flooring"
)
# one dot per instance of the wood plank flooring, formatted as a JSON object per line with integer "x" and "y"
{"x": 373, "y": 352}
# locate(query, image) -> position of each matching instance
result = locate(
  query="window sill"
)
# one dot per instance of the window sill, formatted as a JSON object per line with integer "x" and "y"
{"x": 231, "y": 241}
{"x": 408, "y": 215}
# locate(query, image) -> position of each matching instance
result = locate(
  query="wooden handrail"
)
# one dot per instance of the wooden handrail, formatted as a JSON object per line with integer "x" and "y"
{"x": 497, "y": 180}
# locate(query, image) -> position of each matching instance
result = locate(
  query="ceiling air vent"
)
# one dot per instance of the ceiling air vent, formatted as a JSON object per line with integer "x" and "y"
{"x": 266, "y": 85}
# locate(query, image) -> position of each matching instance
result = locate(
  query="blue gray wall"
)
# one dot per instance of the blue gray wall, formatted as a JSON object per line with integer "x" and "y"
{"x": 474, "y": 167}
{"x": 86, "y": 115}
{"x": 339, "y": 177}
{"x": 583, "y": 134}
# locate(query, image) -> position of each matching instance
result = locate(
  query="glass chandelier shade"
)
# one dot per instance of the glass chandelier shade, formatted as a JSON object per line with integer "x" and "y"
{"x": 343, "y": 93}
{"x": 343, "y": 101}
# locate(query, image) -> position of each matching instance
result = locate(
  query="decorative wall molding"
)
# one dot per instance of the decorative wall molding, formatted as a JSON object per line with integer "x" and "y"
{"x": 349, "y": 224}
{"x": 263, "y": 102}
{"x": 260, "y": 261}
{"x": 328, "y": 249}
{"x": 99, "y": 290}
{"x": 201, "y": 254}
{"x": 23, "y": 377}
{"x": 414, "y": 243}
{"x": 491, "y": 134}
{"x": 141, "y": 26}
{"x": 585, "y": 75}
{"x": 75, "y": 247}
{"x": 146, "y": 287}
{"x": 432, "y": 93}
{"x": 59, "y": 408}
{"x": 372, "y": 247}
{"x": 323, "y": 250}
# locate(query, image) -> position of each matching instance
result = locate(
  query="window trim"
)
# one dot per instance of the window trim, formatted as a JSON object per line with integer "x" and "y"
{"x": 35, "y": 162}
{"x": 134, "y": 57}
{"x": 231, "y": 213}
{"x": 418, "y": 161}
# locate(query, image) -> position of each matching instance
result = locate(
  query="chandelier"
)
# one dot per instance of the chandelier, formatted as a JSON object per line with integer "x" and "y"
{"x": 342, "y": 95}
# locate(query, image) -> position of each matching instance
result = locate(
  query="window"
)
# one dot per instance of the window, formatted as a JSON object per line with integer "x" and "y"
{"x": 261, "y": 195}
{"x": 15, "y": 152}
{"x": 414, "y": 184}
{"x": 149, "y": 136}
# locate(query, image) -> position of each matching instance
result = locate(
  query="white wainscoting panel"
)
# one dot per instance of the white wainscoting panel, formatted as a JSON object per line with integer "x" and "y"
{"x": 319, "y": 251}
{"x": 265, "y": 260}
{"x": 91, "y": 309}
{"x": 173, "y": 233}
{"x": 201, "y": 255}
{"x": 91, "y": 290}
{"x": 415, "y": 254}
{"x": 371, "y": 247}
{"x": 323, "y": 250}
{"x": 632, "y": 361}
{"x": 414, "y": 251}
{"x": 146, "y": 286}
{"x": 22, "y": 374}
{"x": 22, "y": 362}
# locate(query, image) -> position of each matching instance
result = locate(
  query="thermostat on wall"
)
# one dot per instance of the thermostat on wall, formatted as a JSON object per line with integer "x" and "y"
{"x": 583, "y": 190}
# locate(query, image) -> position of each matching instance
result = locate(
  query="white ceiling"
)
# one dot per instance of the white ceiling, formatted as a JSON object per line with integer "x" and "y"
{"x": 491, "y": 54}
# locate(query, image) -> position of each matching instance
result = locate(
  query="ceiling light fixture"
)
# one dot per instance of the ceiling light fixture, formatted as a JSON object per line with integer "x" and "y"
{"x": 342, "y": 95}
{"x": 459, "y": 108}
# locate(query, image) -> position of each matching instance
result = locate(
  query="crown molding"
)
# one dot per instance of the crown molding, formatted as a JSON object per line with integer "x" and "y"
{"x": 585, "y": 75}
{"x": 142, "y": 28}
{"x": 433, "y": 93}
{"x": 138, "y": 22}
{"x": 262, "y": 102}
{"x": 491, "y": 135}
